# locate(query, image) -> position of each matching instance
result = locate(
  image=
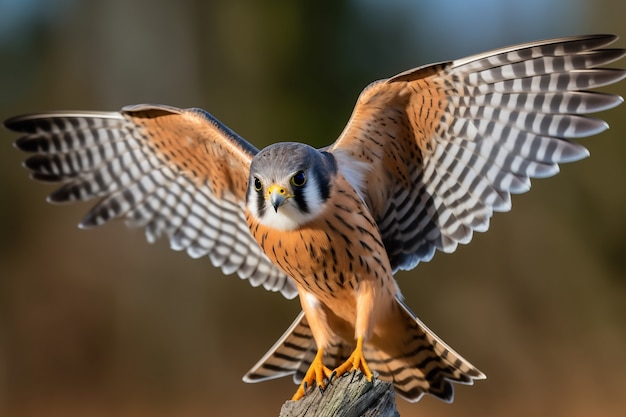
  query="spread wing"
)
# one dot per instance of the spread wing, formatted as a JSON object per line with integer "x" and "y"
{"x": 179, "y": 173}
{"x": 438, "y": 149}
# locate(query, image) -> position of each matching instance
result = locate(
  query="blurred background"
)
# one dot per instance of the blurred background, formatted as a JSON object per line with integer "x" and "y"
{"x": 100, "y": 323}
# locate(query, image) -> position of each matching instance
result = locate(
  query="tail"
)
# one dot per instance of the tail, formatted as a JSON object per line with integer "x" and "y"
{"x": 293, "y": 354}
{"x": 421, "y": 364}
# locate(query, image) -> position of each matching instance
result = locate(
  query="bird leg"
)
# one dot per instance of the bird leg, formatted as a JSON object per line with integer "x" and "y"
{"x": 317, "y": 374}
{"x": 356, "y": 362}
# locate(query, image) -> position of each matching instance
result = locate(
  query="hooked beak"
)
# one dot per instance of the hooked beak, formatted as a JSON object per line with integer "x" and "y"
{"x": 277, "y": 195}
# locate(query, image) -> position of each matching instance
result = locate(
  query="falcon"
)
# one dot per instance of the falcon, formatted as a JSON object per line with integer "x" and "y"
{"x": 425, "y": 159}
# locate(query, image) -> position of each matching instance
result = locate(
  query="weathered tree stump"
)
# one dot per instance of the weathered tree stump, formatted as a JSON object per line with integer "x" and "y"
{"x": 350, "y": 395}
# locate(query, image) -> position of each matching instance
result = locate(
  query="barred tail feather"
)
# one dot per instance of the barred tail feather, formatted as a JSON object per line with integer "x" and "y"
{"x": 293, "y": 354}
{"x": 422, "y": 364}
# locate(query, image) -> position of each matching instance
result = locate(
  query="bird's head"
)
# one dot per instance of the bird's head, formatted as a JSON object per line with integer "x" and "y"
{"x": 289, "y": 184}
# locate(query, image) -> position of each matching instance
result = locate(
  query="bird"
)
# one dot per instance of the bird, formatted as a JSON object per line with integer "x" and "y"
{"x": 425, "y": 159}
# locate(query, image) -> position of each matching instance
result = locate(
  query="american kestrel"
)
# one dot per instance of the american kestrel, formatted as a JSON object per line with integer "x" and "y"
{"x": 426, "y": 158}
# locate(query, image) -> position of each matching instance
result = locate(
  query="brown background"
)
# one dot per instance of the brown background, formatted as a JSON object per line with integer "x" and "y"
{"x": 100, "y": 323}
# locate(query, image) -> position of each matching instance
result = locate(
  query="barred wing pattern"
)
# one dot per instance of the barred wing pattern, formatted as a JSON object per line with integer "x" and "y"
{"x": 446, "y": 145}
{"x": 178, "y": 173}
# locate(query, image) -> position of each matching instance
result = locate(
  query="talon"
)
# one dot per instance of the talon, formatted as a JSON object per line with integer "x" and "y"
{"x": 299, "y": 393}
{"x": 317, "y": 374}
{"x": 332, "y": 376}
{"x": 356, "y": 362}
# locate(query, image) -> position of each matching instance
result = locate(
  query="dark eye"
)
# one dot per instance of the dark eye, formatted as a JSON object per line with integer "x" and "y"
{"x": 298, "y": 179}
{"x": 258, "y": 185}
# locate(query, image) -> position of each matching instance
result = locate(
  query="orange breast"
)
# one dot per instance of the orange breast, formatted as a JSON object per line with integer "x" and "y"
{"x": 331, "y": 255}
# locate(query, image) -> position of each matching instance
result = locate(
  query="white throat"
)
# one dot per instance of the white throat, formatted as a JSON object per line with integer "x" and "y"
{"x": 289, "y": 216}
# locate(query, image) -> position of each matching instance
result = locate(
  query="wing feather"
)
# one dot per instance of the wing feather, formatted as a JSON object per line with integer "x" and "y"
{"x": 446, "y": 145}
{"x": 177, "y": 173}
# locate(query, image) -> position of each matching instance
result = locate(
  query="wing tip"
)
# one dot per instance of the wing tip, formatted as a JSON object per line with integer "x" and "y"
{"x": 594, "y": 42}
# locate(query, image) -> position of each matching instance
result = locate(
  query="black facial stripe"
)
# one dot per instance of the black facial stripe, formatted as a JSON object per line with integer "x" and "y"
{"x": 323, "y": 184}
{"x": 260, "y": 202}
{"x": 298, "y": 196}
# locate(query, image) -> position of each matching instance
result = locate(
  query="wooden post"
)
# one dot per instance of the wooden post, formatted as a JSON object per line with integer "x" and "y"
{"x": 350, "y": 395}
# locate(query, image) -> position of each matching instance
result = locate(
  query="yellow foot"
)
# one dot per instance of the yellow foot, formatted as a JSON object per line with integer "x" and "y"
{"x": 317, "y": 374}
{"x": 356, "y": 362}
